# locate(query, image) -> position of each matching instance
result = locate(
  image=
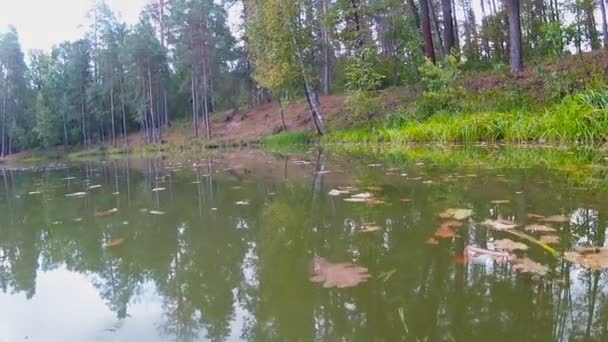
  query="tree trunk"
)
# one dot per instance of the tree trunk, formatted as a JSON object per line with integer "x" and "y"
{"x": 516, "y": 61}
{"x": 326, "y": 77}
{"x": 448, "y": 25}
{"x": 282, "y": 109}
{"x": 357, "y": 21}
{"x": 427, "y": 34}
{"x": 194, "y": 104}
{"x": 151, "y": 106}
{"x": 124, "y": 112}
{"x": 604, "y": 24}
{"x": 112, "y": 114}
{"x": 456, "y": 33}
{"x": 435, "y": 27}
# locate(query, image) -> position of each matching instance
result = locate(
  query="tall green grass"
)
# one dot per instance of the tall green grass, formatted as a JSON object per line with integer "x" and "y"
{"x": 288, "y": 138}
{"x": 580, "y": 119}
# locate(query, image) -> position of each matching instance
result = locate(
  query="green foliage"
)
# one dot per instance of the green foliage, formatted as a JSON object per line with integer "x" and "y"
{"x": 362, "y": 105}
{"x": 288, "y": 138}
{"x": 397, "y": 119}
{"x": 553, "y": 40}
{"x": 440, "y": 93}
{"x": 361, "y": 75}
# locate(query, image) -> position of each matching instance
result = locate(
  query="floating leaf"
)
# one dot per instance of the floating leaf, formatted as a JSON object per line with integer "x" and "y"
{"x": 533, "y": 240}
{"x": 406, "y": 200}
{"x": 106, "y": 213}
{"x": 549, "y": 239}
{"x": 444, "y": 232}
{"x": 34, "y": 193}
{"x": 509, "y": 245}
{"x": 366, "y": 228}
{"x": 556, "y": 219}
{"x": 355, "y": 200}
{"x": 242, "y": 203}
{"x": 155, "y": 212}
{"x": 500, "y": 224}
{"x": 526, "y": 265}
{"x": 323, "y": 172}
{"x": 158, "y": 189}
{"x": 501, "y": 201}
{"x": 461, "y": 259}
{"x": 93, "y": 187}
{"x": 339, "y": 275}
{"x": 457, "y": 214}
{"x": 540, "y": 228}
{"x": 432, "y": 241}
{"x": 473, "y": 251}
{"x": 364, "y": 195}
{"x": 114, "y": 243}
{"x": 375, "y": 165}
{"x": 535, "y": 216}
{"x": 374, "y": 201}
{"x": 452, "y": 224}
{"x": 336, "y": 192}
{"x": 386, "y": 275}
{"x": 592, "y": 260}
{"x": 77, "y": 194}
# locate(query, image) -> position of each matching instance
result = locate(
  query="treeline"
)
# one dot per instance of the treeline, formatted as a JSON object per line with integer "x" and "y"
{"x": 183, "y": 61}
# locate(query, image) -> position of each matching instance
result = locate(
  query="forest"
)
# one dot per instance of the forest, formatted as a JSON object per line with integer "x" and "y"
{"x": 186, "y": 61}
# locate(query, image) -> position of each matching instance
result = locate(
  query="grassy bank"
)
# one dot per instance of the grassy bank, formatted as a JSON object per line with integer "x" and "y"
{"x": 578, "y": 120}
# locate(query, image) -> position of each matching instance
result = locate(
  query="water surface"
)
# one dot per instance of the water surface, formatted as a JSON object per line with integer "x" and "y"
{"x": 223, "y": 248}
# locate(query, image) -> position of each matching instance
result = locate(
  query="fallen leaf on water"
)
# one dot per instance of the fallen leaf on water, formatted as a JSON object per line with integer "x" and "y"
{"x": 77, "y": 194}
{"x": 336, "y": 192}
{"x": 35, "y": 193}
{"x": 366, "y": 228}
{"x": 452, "y": 224}
{"x": 473, "y": 251}
{"x": 592, "y": 260}
{"x": 158, "y": 189}
{"x": 499, "y": 224}
{"x": 444, "y": 232}
{"x": 374, "y": 188}
{"x": 374, "y": 201}
{"x": 509, "y": 245}
{"x": 457, "y": 214}
{"x": 242, "y": 203}
{"x": 461, "y": 259}
{"x": 406, "y": 200}
{"x": 501, "y": 201}
{"x": 114, "y": 243}
{"x": 323, "y": 172}
{"x": 549, "y": 239}
{"x": 78, "y": 219}
{"x": 363, "y": 195}
{"x": 526, "y": 265}
{"x": 92, "y": 187}
{"x": 155, "y": 212}
{"x": 355, "y": 200}
{"x": 540, "y": 228}
{"x": 106, "y": 213}
{"x": 432, "y": 241}
{"x": 535, "y": 216}
{"x": 556, "y": 219}
{"x": 374, "y": 165}
{"x": 339, "y": 275}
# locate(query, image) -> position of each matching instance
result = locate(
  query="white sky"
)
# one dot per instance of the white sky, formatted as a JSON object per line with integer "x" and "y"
{"x": 44, "y": 23}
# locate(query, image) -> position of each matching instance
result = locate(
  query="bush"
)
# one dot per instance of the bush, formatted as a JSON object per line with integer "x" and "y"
{"x": 440, "y": 93}
{"x": 362, "y": 105}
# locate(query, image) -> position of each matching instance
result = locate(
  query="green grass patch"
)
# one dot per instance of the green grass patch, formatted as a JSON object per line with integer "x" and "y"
{"x": 580, "y": 119}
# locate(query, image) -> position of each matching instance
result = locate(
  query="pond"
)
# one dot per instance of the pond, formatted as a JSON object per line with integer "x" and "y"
{"x": 311, "y": 246}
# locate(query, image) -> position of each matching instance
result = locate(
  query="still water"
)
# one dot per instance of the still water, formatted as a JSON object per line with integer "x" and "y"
{"x": 246, "y": 245}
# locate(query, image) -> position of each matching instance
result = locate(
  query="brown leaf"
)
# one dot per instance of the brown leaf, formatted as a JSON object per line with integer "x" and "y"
{"x": 501, "y": 201}
{"x": 509, "y": 245}
{"x": 406, "y": 200}
{"x": 549, "y": 239}
{"x": 535, "y": 216}
{"x": 500, "y": 224}
{"x": 339, "y": 275}
{"x": 432, "y": 241}
{"x": 556, "y": 219}
{"x": 367, "y": 228}
{"x": 444, "y": 232}
{"x": 526, "y": 265}
{"x": 452, "y": 224}
{"x": 106, "y": 213}
{"x": 457, "y": 214}
{"x": 540, "y": 228}
{"x": 595, "y": 261}
{"x": 115, "y": 243}
{"x": 472, "y": 251}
